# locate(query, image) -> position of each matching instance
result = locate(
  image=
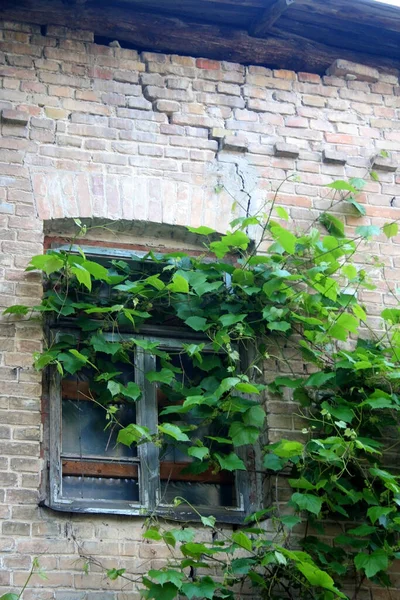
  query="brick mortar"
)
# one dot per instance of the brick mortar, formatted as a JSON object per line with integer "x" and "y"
{"x": 115, "y": 134}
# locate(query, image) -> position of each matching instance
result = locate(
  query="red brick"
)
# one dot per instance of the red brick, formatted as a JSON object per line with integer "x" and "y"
{"x": 205, "y": 63}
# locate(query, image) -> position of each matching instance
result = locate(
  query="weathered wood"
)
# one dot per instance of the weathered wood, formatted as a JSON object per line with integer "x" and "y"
{"x": 164, "y": 34}
{"x": 76, "y": 390}
{"x": 263, "y": 24}
{"x": 236, "y": 13}
{"x": 171, "y": 471}
{"x": 358, "y": 14}
{"x": 82, "y": 468}
{"x": 322, "y": 28}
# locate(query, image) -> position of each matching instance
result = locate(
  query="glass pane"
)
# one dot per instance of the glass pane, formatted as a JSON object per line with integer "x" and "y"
{"x": 83, "y": 432}
{"x": 193, "y": 380}
{"x": 199, "y": 494}
{"x": 99, "y": 488}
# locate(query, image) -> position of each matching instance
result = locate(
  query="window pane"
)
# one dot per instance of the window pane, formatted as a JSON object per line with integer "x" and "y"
{"x": 203, "y": 489}
{"x": 83, "y": 432}
{"x": 100, "y": 488}
{"x": 199, "y": 494}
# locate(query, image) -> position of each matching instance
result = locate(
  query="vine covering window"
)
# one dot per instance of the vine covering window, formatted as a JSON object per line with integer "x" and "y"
{"x": 122, "y": 382}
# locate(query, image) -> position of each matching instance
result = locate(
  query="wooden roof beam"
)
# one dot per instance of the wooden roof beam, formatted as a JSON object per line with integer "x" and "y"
{"x": 160, "y": 33}
{"x": 268, "y": 17}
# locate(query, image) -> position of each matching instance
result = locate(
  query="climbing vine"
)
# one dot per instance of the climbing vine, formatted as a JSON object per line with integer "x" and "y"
{"x": 293, "y": 296}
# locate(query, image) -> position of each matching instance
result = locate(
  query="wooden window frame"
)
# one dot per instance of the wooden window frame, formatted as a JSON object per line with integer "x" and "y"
{"x": 151, "y": 475}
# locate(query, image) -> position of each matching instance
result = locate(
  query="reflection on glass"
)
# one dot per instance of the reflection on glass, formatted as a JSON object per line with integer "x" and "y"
{"x": 100, "y": 488}
{"x": 199, "y": 494}
{"x": 83, "y": 432}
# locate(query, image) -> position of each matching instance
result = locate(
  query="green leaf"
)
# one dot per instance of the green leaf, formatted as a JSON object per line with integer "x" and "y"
{"x": 379, "y": 399}
{"x": 131, "y": 391}
{"x": 288, "y": 449}
{"x": 341, "y": 185}
{"x": 302, "y": 484}
{"x": 282, "y": 212}
{"x": 273, "y": 462}
{"x": 199, "y": 452}
{"x": 163, "y": 376}
{"x": 152, "y": 534}
{"x": 194, "y": 549}
{"x": 203, "y": 230}
{"x": 242, "y": 540}
{"x": 17, "y": 309}
{"x": 376, "y": 512}
{"x": 243, "y": 434}
{"x": 156, "y": 591}
{"x": 318, "y": 379}
{"x": 391, "y": 314}
{"x": 391, "y": 229}
{"x": 219, "y": 249}
{"x": 203, "y": 589}
{"x": 367, "y": 231}
{"x": 247, "y": 388}
{"x": 231, "y": 319}
{"x": 113, "y": 574}
{"x": 374, "y": 175}
{"x": 48, "y": 263}
{"x": 307, "y": 502}
{"x": 167, "y": 576}
{"x": 230, "y": 462}
{"x": 290, "y": 521}
{"x": 9, "y": 596}
{"x": 179, "y": 284}
{"x": 358, "y": 183}
{"x": 208, "y": 521}
{"x": 96, "y": 270}
{"x": 332, "y": 224}
{"x": 82, "y": 275}
{"x": 285, "y": 238}
{"x": 348, "y": 322}
{"x": 362, "y": 530}
{"x": 279, "y": 326}
{"x": 349, "y": 271}
{"x": 255, "y": 416}
{"x": 372, "y": 563}
{"x": 318, "y": 578}
{"x": 133, "y": 434}
{"x": 173, "y": 431}
{"x": 114, "y": 388}
{"x": 238, "y": 239}
{"x": 197, "y": 323}
{"x": 359, "y": 207}
{"x": 241, "y": 566}
{"x": 100, "y": 344}
{"x": 343, "y": 413}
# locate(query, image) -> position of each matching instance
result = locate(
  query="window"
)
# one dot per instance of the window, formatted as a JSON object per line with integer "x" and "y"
{"x": 91, "y": 472}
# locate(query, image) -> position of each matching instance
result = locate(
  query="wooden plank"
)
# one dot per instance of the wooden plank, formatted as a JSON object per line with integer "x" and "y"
{"x": 172, "y": 471}
{"x": 163, "y": 34}
{"x": 344, "y": 33}
{"x": 270, "y": 15}
{"x": 357, "y": 14}
{"x": 147, "y": 417}
{"x": 232, "y": 13}
{"x": 82, "y": 468}
{"x": 54, "y": 435}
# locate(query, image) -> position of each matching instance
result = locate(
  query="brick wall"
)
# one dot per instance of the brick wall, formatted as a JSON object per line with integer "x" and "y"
{"x": 97, "y": 131}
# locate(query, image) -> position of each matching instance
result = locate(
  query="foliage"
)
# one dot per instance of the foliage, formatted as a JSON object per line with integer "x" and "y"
{"x": 35, "y": 570}
{"x": 291, "y": 292}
